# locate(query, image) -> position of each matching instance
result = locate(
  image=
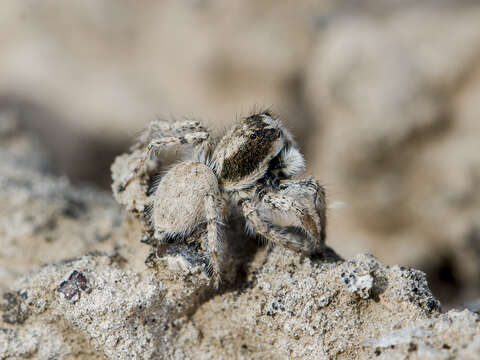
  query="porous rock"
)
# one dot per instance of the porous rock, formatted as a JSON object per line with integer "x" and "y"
{"x": 43, "y": 218}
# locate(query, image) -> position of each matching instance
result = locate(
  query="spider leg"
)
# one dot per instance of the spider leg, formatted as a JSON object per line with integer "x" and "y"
{"x": 273, "y": 234}
{"x": 285, "y": 204}
{"x": 282, "y": 203}
{"x": 155, "y": 144}
{"x": 164, "y": 128}
{"x": 213, "y": 209}
{"x": 312, "y": 195}
{"x": 302, "y": 201}
{"x": 304, "y": 186}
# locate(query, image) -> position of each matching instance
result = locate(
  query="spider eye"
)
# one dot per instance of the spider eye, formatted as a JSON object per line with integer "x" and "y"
{"x": 253, "y": 136}
{"x": 267, "y": 113}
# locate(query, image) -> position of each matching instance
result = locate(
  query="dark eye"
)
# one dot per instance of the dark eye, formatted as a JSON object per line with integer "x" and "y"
{"x": 267, "y": 113}
{"x": 253, "y": 136}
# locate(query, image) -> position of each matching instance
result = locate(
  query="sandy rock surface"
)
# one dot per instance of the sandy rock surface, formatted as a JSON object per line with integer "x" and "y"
{"x": 74, "y": 284}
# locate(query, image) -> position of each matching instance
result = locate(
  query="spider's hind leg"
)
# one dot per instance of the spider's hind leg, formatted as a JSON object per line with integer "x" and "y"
{"x": 163, "y": 142}
{"x": 162, "y": 240}
{"x": 213, "y": 212}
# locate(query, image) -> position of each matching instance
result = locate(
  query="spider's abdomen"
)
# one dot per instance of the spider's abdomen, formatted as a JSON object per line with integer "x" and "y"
{"x": 180, "y": 197}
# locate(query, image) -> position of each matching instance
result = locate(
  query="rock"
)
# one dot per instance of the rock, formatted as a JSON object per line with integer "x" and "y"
{"x": 124, "y": 313}
{"x": 135, "y": 196}
{"x": 219, "y": 73}
{"x": 288, "y": 305}
{"x": 399, "y": 136}
{"x": 307, "y": 311}
{"x": 360, "y": 285}
{"x": 71, "y": 288}
{"x": 472, "y": 351}
{"x": 430, "y": 339}
{"x": 44, "y": 219}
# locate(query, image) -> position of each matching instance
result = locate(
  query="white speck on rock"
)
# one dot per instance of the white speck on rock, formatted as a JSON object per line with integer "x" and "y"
{"x": 398, "y": 337}
{"x": 360, "y": 285}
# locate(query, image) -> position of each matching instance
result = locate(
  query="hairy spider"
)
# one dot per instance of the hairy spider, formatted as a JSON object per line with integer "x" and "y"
{"x": 251, "y": 168}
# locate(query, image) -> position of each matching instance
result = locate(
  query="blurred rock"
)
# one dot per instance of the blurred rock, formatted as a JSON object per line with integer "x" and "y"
{"x": 300, "y": 309}
{"x": 208, "y": 58}
{"x": 43, "y": 218}
{"x": 398, "y": 143}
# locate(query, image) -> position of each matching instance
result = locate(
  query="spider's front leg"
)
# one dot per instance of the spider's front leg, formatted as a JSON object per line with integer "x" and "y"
{"x": 272, "y": 233}
{"x": 292, "y": 215}
{"x": 305, "y": 201}
{"x": 155, "y": 144}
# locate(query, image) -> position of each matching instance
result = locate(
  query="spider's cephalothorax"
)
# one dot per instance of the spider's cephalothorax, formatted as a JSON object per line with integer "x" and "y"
{"x": 251, "y": 167}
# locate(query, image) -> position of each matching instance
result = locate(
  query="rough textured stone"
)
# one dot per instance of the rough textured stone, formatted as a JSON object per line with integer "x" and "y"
{"x": 43, "y": 218}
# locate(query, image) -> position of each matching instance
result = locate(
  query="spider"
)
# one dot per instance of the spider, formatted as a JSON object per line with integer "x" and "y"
{"x": 251, "y": 168}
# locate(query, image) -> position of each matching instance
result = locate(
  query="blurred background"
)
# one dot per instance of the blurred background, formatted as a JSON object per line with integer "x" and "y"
{"x": 382, "y": 95}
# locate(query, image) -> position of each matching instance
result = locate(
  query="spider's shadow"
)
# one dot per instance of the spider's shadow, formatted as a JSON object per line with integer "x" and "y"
{"x": 328, "y": 255}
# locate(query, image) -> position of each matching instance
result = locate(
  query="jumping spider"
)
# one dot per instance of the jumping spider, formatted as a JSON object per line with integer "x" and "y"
{"x": 250, "y": 168}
